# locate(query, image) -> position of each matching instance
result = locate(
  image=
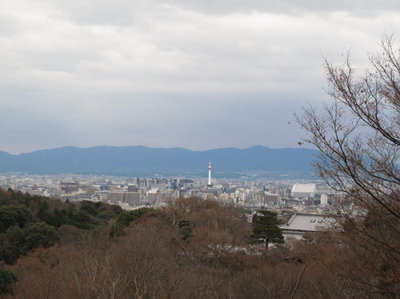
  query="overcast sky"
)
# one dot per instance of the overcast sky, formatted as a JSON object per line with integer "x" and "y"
{"x": 198, "y": 74}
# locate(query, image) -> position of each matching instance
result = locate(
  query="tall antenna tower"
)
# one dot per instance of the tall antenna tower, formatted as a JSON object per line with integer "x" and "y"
{"x": 209, "y": 174}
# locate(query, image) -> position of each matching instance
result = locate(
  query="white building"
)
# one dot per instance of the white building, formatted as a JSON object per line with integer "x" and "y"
{"x": 303, "y": 190}
{"x": 301, "y": 223}
{"x": 324, "y": 200}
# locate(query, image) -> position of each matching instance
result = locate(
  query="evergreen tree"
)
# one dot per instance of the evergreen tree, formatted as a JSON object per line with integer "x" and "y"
{"x": 265, "y": 228}
{"x": 7, "y": 279}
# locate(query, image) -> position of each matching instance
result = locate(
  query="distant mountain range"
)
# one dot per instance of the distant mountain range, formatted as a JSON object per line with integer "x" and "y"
{"x": 256, "y": 161}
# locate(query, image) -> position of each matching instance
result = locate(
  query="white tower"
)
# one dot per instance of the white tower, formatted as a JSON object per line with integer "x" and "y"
{"x": 209, "y": 175}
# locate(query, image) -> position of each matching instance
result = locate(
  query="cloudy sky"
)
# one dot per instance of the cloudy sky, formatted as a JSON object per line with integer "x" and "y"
{"x": 198, "y": 74}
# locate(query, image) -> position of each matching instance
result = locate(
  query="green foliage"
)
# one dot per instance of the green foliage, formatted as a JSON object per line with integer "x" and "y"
{"x": 7, "y": 279}
{"x": 125, "y": 218}
{"x": 265, "y": 228}
{"x": 12, "y": 244}
{"x": 89, "y": 207}
{"x": 19, "y": 241}
{"x": 11, "y": 215}
{"x": 28, "y": 222}
{"x": 100, "y": 210}
{"x": 40, "y": 234}
{"x": 185, "y": 228}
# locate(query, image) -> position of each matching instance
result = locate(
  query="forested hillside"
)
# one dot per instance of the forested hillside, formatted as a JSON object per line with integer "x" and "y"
{"x": 191, "y": 249}
{"x": 28, "y": 222}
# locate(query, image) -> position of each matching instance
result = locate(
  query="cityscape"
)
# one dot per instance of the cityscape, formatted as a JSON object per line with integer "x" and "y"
{"x": 297, "y": 202}
{"x": 199, "y": 149}
{"x": 130, "y": 193}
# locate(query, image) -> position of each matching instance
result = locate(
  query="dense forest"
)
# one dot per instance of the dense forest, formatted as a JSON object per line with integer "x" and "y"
{"x": 191, "y": 249}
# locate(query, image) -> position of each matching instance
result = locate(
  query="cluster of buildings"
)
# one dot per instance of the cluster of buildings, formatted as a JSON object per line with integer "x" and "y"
{"x": 301, "y": 205}
{"x": 131, "y": 193}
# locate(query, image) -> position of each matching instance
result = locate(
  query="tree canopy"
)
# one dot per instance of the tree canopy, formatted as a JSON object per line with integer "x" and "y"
{"x": 28, "y": 222}
{"x": 266, "y": 228}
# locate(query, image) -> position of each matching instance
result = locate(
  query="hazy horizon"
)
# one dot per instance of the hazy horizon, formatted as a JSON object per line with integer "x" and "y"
{"x": 141, "y": 145}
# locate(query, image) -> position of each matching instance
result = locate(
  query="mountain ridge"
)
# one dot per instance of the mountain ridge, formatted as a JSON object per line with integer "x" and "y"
{"x": 148, "y": 161}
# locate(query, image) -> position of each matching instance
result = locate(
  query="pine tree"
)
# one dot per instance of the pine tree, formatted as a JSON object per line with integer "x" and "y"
{"x": 265, "y": 228}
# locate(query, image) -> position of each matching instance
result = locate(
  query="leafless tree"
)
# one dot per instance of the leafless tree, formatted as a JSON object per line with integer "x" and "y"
{"x": 358, "y": 136}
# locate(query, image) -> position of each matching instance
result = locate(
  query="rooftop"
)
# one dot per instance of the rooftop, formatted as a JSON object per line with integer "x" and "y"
{"x": 308, "y": 222}
{"x": 304, "y": 188}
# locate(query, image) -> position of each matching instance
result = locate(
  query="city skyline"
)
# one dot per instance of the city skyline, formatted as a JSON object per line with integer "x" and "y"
{"x": 173, "y": 73}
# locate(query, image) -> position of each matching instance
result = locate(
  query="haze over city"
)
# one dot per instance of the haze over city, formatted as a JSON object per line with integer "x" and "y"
{"x": 194, "y": 74}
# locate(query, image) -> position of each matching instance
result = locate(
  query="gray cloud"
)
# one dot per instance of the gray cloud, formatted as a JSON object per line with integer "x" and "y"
{"x": 359, "y": 7}
{"x": 129, "y": 12}
{"x": 198, "y": 74}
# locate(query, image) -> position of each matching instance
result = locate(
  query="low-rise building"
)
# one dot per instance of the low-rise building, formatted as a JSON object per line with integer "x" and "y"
{"x": 301, "y": 223}
{"x": 303, "y": 190}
